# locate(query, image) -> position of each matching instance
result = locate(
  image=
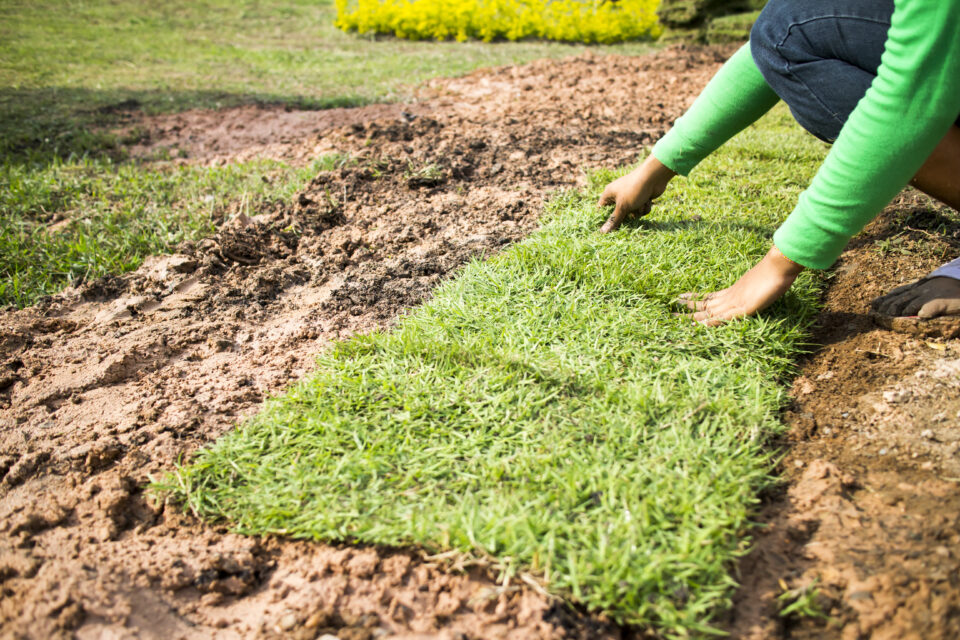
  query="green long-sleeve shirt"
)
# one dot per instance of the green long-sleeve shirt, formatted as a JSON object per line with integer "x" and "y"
{"x": 911, "y": 104}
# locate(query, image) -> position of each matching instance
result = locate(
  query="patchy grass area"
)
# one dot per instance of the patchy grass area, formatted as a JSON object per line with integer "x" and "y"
{"x": 63, "y": 65}
{"x": 84, "y": 218}
{"x": 546, "y": 409}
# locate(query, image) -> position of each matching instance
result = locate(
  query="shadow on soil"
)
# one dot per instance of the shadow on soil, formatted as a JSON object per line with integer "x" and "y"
{"x": 39, "y": 125}
{"x": 860, "y": 541}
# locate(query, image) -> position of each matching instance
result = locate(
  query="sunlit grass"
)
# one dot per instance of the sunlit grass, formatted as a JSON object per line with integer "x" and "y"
{"x": 79, "y": 219}
{"x": 547, "y": 409}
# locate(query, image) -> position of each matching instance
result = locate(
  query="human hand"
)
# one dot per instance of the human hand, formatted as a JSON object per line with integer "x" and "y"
{"x": 926, "y": 298}
{"x": 757, "y": 289}
{"x": 633, "y": 193}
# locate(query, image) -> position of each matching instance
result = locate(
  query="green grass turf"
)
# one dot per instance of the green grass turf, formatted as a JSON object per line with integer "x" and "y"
{"x": 77, "y": 220}
{"x": 66, "y": 67}
{"x": 547, "y": 410}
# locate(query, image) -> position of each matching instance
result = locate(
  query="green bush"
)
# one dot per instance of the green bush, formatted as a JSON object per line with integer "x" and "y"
{"x": 564, "y": 20}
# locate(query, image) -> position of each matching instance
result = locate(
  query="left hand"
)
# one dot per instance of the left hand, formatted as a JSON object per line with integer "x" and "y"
{"x": 633, "y": 193}
{"x": 926, "y": 298}
{"x": 757, "y": 289}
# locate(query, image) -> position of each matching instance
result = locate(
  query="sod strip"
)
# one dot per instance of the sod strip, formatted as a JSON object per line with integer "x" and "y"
{"x": 546, "y": 409}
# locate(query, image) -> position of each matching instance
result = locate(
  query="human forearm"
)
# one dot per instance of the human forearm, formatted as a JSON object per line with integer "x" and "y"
{"x": 736, "y": 97}
{"x": 910, "y": 105}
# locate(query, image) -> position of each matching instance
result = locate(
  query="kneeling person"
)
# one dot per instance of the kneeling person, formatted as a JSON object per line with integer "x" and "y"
{"x": 878, "y": 79}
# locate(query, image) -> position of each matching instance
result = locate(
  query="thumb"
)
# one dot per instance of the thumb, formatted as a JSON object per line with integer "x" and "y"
{"x": 607, "y": 198}
{"x": 939, "y": 307}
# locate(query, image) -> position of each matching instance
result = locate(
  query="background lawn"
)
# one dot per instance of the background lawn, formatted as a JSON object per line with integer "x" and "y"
{"x": 70, "y": 197}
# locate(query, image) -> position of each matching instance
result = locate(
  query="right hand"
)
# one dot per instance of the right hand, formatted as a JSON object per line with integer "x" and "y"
{"x": 633, "y": 193}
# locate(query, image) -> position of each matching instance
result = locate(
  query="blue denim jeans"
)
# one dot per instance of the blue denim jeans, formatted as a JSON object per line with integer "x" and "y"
{"x": 820, "y": 56}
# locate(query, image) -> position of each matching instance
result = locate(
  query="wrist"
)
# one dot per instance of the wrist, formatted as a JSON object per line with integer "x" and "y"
{"x": 949, "y": 270}
{"x": 654, "y": 172}
{"x": 782, "y": 263}
{"x": 654, "y": 168}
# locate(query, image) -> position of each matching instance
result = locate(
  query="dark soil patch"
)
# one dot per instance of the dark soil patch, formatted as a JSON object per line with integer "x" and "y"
{"x": 245, "y": 133}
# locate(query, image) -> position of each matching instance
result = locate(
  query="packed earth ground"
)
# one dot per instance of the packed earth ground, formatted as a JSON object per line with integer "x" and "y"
{"x": 107, "y": 385}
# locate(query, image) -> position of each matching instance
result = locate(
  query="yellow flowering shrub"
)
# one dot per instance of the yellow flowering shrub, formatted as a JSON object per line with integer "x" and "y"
{"x": 565, "y": 20}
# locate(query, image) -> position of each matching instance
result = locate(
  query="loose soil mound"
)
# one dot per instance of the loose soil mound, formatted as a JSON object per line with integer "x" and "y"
{"x": 247, "y": 132}
{"x": 103, "y": 386}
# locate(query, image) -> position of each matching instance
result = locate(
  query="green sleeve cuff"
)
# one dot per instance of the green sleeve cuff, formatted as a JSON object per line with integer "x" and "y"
{"x": 812, "y": 250}
{"x": 674, "y": 151}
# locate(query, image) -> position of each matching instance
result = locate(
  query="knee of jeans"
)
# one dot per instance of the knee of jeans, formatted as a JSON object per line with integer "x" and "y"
{"x": 768, "y": 32}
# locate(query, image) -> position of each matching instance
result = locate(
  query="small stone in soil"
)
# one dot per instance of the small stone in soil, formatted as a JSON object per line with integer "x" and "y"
{"x": 288, "y": 621}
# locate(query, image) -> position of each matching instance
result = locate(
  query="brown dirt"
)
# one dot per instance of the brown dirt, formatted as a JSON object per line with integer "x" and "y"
{"x": 870, "y": 515}
{"x": 247, "y": 132}
{"x": 104, "y": 386}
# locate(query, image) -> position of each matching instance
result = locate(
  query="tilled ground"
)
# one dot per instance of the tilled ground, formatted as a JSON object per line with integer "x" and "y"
{"x": 109, "y": 384}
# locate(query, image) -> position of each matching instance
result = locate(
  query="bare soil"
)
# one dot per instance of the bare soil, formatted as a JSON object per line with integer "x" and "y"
{"x": 107, "y": 385}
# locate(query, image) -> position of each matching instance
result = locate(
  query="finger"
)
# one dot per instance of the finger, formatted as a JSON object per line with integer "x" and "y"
{"x": 685, "y": 316}
{"x": 940, "y": 307}
{"x": 638, "y": 213}
{"x": 707, "y": 319}
{"x": 692, "y": 301}
{"x": 695, "y": 295}
{"x": 702, "y": 318}
{"x": 614, "y": 220}
{"x": 914, "y": 305}
{"x": 698, "y": 301}
{"x": 894, "y": 301}
{"x": 895, "y": 304}
{"x": 879, "y": 301}
{"x": 607, "y": 198}
{"x": 902, "y": 288}
{"x": 611, "y": 224}
{"x": 933, "y": 308}
{"x": 951, "y": 307}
